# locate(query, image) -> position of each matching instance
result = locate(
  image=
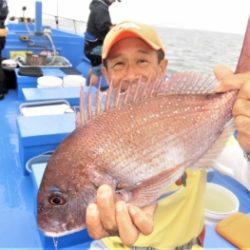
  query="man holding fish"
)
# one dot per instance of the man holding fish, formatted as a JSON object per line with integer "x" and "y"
{"x": 155, "y": 140}
{"x": 133, "y": 52}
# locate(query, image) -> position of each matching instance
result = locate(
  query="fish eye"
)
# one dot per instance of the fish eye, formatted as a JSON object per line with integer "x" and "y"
{"x": 56, "y": 200}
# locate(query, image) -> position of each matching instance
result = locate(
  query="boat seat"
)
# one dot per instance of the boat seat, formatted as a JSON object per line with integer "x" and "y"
{"x": 71, "y": 94}
{"x": 25, "y": 81}
{"x": 38, "y": 134}
{"x": 54, "y": 107}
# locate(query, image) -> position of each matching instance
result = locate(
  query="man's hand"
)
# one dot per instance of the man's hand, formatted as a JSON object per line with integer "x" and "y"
{"x": 241, "y": 109}
{"x": 107, "y": 217}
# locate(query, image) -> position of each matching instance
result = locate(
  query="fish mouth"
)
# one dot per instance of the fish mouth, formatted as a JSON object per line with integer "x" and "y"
{"x": 59, "y": 228}
{"x": 61, "y": 233}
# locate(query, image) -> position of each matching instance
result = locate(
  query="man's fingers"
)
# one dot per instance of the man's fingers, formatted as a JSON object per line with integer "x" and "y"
{"x": 221, "y": 71}
{"x": 232, "y": 82}
{"x": 143, "y": 219}
{"x": 93, "y": 222}
{"x": 241, "y": 107}
{"x": 245, "y": 91}
{"x": 242, "y": 124}
{"x": 127, "y": 230}
{"x": 244, "y": 141}
{"x": 106, "y": 206}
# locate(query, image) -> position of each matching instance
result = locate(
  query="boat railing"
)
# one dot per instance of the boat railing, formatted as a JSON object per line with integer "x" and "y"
{"x": 64, "y": 23}
{"x": 56, "y": 22}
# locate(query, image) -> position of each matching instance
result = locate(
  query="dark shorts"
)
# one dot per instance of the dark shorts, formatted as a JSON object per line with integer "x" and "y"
{"x": 2, "y": 75}
{"x": 93, "y": 51}
{"x": 2, "y": 43}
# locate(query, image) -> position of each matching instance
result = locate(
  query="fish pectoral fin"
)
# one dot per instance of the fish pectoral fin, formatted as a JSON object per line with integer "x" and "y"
{"x": 149, "y": 191}
{"x": 123, "y": 194}
{"x": 167, "y": 194}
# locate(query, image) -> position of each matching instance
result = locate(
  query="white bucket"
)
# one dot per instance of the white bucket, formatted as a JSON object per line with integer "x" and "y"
{"x": 9, "y": 64}
{"x": 49, "y": 82}
{"x": 219, "y": 203}
{"x": 74, "y": 81}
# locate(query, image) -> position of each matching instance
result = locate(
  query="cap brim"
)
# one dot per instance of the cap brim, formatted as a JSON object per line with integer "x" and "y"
{"x": 128, "y": 29}
{"x": 128, "y": 34}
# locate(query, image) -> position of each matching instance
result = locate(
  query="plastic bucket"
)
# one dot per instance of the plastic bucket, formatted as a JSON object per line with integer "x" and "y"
{"x": 74, "y": 81}
{"x": 220, "y": 203}
{"x": 38, "y": 159}
{"x": 49, "y": 82}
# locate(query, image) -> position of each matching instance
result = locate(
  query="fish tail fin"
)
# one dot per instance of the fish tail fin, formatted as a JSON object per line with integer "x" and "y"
{"x": 244, "y": 59}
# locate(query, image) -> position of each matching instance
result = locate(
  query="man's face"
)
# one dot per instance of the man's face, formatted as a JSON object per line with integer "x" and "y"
{"x": 132, "y": 60}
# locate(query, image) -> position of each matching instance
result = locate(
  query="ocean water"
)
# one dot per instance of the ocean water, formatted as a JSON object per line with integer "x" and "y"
{"x": 187, "y": 50}
{"x": 200, "y": 51}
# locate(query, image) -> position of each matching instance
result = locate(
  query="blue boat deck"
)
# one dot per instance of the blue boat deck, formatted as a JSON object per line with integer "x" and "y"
{"x": 18, "y": 228}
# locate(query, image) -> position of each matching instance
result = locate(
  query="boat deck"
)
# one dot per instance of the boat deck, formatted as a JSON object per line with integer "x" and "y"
{"x": 18, "y": 228}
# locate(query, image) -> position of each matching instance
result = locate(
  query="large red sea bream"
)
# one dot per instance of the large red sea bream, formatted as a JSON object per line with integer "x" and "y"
{"x": 139, "y": 143}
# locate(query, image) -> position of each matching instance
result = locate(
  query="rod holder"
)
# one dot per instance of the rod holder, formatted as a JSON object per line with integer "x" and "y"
{"x": 38, "y": 19}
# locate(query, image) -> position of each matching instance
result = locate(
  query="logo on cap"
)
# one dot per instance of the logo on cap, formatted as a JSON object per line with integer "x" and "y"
{"x": 127, "y": 25}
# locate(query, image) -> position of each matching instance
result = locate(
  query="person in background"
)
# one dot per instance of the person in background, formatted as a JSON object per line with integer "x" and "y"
{"x": 98, "y": 25}
{"x": 3, "y": 33}
{"x": 132, "y": 52}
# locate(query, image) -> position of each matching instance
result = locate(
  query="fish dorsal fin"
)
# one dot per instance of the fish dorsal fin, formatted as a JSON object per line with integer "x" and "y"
{"x": 189, "y": 83}
{"x": 92, "y": 105}
{"x": 89, "y": 105}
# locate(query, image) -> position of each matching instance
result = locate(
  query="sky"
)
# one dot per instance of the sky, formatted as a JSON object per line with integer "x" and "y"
{"x": 216, "y": 15}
